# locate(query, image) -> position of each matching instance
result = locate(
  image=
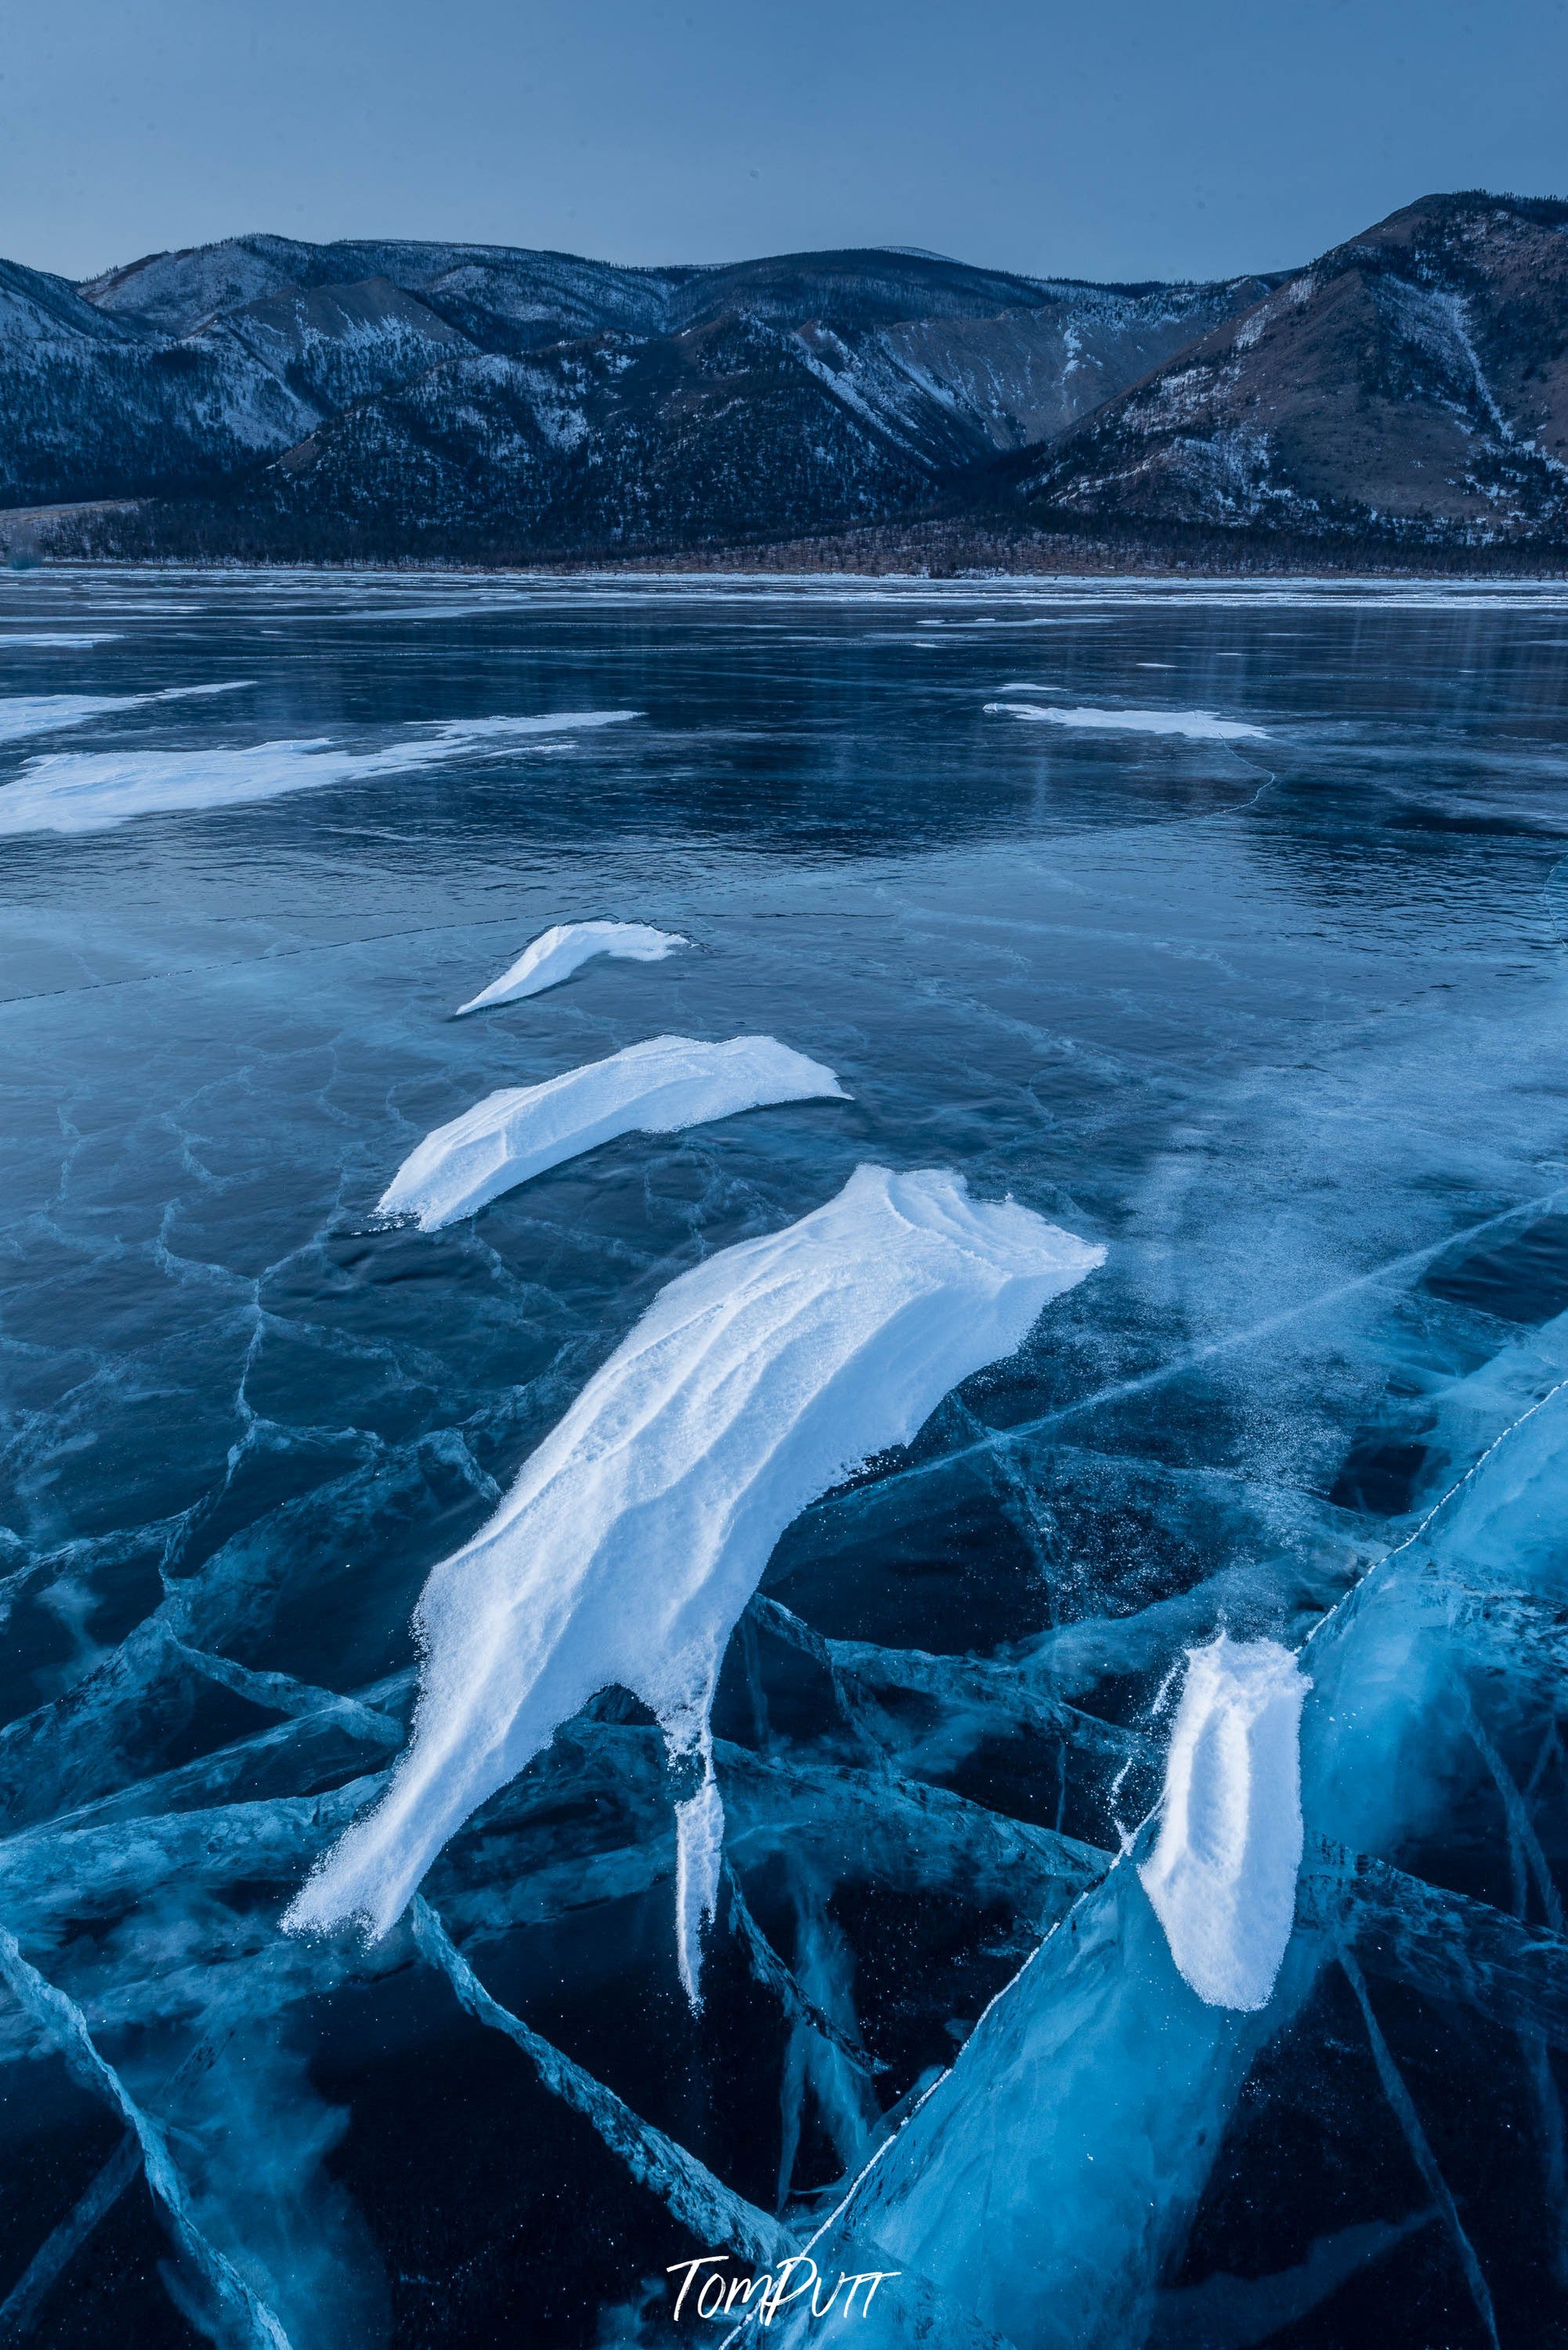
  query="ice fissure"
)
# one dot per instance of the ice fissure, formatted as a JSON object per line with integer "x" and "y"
{"x": 238, "y": 2316}
{"x": 713, "y": 2212}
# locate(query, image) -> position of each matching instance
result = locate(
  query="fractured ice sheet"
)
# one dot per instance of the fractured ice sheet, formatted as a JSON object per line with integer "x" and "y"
{"x": 564, "y": 948}
{"x": 1047, "y": 2181}
{"x": 634, "y": 1537}
{"x": 1222, "y": 1876}
{"x": 47, "y": 713}
{"x": 1198, "y": 726}
{"x": 657, "y": 1087}
{"x": 88, "y": 791}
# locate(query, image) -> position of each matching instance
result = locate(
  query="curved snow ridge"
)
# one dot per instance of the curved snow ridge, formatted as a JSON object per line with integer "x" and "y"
{"x": 22, "y": 714}
{"x": 89, "y": 791}
{"x": 656, "y": 1088}
{"x": 635, "y": 1535}
{"x": 564, "y": 948}
{"x": 1222, "y": 1876}
{"x": 1198, "y": 725}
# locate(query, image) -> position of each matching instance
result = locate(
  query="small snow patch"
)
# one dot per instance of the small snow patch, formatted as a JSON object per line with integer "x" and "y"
{"x": 560, "y": 951}
{"x": 1222, "y": 1876}
{"x": 1198, "y": 725}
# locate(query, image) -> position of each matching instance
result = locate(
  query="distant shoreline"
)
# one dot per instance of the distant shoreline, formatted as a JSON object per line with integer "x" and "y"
{"x": 160, "y": 534}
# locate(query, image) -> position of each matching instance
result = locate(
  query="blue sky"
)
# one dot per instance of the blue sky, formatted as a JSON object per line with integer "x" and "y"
{"x": 1191, "y": 137}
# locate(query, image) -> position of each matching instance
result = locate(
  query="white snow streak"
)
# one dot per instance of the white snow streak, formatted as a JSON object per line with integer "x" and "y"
{"x": 1198, "y": 725}
{"x": 89, "y": 791}
{"x": 560, "y": 951}
{"x": 656, "y": 1088}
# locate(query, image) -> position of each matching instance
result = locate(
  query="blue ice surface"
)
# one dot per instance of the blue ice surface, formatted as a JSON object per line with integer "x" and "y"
{"x": 1280, "y": 1020}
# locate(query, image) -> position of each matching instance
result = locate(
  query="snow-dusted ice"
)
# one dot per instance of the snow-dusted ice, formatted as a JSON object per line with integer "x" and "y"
{"x": 91, "y": 791}
{"x": 656, "y": 1088}
{"x": 58, "y": 641}
{"x": 634, "y": 1537}
{"x": 1222, "y": 1876}
{"x": 1198, "y": 726}
{"x": 22, "y": 714}
{"x": 561, "y": 950}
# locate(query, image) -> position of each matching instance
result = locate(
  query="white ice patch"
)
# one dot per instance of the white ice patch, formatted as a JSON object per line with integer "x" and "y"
{"x": 656, "y": 1088}
{"x": 76, "y": 644}
{"x": 1222, "y": 1877}
{"x": 47, "y": 713}
{"x": 699, "y": 1851}
{"x": 1199, "y": 725}
{"x": 88, "y": 791}
{"x": 635, "y": 1535}
{"x": 558, "y": 952}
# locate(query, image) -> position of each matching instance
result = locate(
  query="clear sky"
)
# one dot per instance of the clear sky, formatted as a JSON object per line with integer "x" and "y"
{"x": 1133, "y": 139}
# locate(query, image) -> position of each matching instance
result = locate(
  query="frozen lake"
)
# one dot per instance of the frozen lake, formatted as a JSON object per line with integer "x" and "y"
{"x": 1219, "y": 925}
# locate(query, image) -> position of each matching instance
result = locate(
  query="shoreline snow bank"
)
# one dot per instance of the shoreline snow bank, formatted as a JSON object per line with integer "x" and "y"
{"x": 1222, "y": 1878}
{"x": 561, "y": 950}
{"x": 91, "y": 791}
{"x": 633, "y": 1538}
{"x": 656, "y": 1088}
{"x": 1198, "y": 726}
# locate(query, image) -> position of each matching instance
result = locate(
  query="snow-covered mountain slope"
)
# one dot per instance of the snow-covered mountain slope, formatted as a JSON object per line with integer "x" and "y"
{"x": 853, "y": 383}
{"x": 1412, "y": 384}
{"x": 277, "y": 398}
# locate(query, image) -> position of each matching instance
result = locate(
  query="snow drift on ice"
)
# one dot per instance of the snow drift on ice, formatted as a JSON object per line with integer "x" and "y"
{"x": 84, "y": 791}
{"x": 1222, "y": 1876}
{"x": 637, "y": 1533}
{"x": 558, "y": 952}
{"x": 47, "y": 713}
{"x": 655, "y": 1088}
{"x": 1196, "y": 725}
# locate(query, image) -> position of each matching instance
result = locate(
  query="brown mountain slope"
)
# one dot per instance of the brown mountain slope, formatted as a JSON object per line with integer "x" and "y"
{"x": 1412, "y": 385}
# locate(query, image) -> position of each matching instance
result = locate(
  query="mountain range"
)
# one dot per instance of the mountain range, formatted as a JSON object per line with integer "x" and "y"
{"x": 262, "y": 397}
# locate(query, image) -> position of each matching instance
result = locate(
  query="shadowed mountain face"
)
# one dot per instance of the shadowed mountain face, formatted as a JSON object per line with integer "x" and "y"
{"x": 1410, "y": 387}
{"x": 1412, "y": 384}
{"x": 411, "y": 392}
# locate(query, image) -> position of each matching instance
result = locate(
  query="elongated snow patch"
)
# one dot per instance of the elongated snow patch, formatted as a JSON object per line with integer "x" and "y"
{"x": 558, "y": 952}
{"x": 1222, "y": 1876}
{"x": 639, "y": 1529}
{"x": 47, "y": 713}
{"x": 657, "y": 1087}
{"x": 88, "y": 791}
{"x": 76, "y": 643}
{"x": 1199, "y": 724}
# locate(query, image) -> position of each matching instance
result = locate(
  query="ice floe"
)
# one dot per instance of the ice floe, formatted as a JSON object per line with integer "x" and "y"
{"x": 560, "y": 951}
{"x": 635, "y": 1535}
{"x": 22, "y": 714}
{"x": 655, "y": 1088}
{"x": 88, "y": 791}
{"x": 1222, "y": 1876}
{"x": 1198, "y": 726}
